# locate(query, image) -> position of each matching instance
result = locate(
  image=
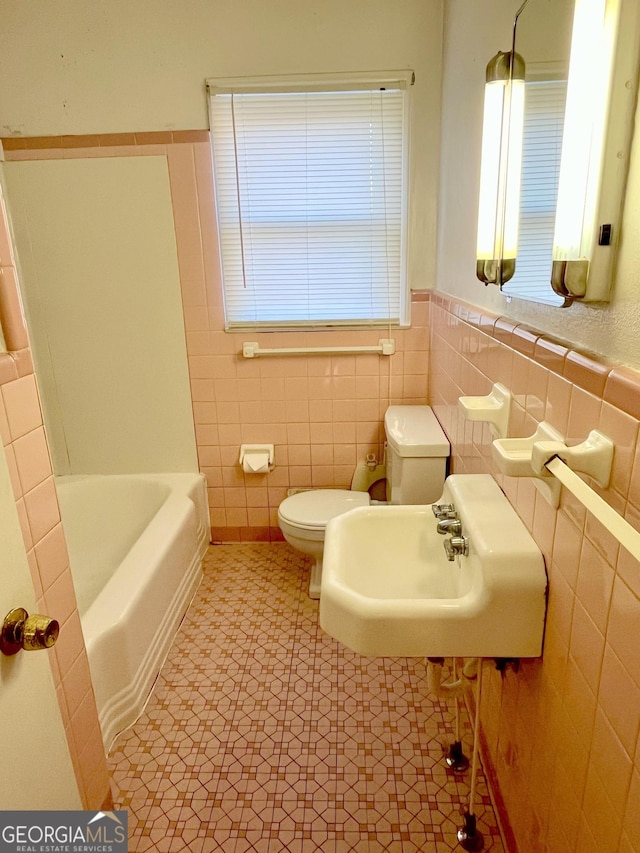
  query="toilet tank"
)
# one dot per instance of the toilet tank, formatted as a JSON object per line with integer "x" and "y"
{"x": 417, "y": 454}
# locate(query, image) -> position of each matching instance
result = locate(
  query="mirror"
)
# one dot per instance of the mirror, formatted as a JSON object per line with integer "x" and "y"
{"x": 572, "y": 258}
{"x": 542, "y": 37}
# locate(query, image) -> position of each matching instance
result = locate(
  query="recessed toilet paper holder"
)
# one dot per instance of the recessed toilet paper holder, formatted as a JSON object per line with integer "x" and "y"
{"x": 257, "y": 458}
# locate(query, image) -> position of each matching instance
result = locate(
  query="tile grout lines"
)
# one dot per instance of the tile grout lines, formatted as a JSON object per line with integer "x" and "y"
{"x": 264, "y": 734}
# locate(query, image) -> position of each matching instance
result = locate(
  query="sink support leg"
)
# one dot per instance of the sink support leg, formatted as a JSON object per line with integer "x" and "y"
{"x": 456, "y": 760}
{"x": 469, "y": 837}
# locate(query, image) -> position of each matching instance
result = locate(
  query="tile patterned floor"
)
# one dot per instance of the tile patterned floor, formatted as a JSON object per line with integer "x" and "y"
{"x": 264, "y": 734}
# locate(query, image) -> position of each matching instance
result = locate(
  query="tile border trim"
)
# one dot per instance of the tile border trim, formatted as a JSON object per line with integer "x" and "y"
{"x": 614, "y": 383}
{"x": 103, "y": 140}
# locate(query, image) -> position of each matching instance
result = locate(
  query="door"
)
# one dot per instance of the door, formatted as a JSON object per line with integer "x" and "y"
{"x": 35, "y": 766}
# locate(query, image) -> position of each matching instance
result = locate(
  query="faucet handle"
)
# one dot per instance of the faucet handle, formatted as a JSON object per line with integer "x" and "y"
{"x": 444, "y": 511}
{"x": 450, "y": 525}
{"x": 456, "y": 546}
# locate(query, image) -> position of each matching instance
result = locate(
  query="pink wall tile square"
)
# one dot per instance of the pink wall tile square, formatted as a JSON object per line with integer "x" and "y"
{"x": 207, "y": 434}
{"x": 321, "y": 454}
{"x": 322, "y": 476}
{"x": 300, "y": 476}
{"x": 321, "y": 433}
{"x": 298, "y": 433}
{"x": 52, "y": 556}
{"x": 595, "y": 584}
{"x": 297, "y": 411}
{"x": 198, "y": 342}
{"x": 344, "y": 432}
{"x": 567, "y": 547}
{"x": 22, "y": 406}
{"x": 42, "y": 509}
{"x": 257, "y": 496}
{"x": 622, "y": 627}
{"x": 344, "y": 388}
{"x": 345, "y": 455}
{"x": 60, "y": 598}
{"x": 205, "y": 413}
{"x": 225, "y": 413}
{"x": 14, "y": 475}
{"x": 619, "y": 698}
{"x": 32, "y": 459}
{"x": 600, "y": 827}
{"x": 251, "y": 413}
{"x": 202, "y": 367}
{"x": 580, "y": 700}
{"x": 226, "y": 390}
{"x": 586, "y": 645}
{"x": 622, "y": 429}
{"x": 25, "y": 528}
{"x": 196, "y": 318}
{"x": 230, "y": 441}
{"x": 5, "y": 433}
{"x": 236, "y": 516}
{"x": 584, "y": 414}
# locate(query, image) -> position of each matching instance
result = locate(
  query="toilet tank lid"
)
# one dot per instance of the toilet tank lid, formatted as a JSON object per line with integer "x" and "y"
{"x": 415, "y": 431}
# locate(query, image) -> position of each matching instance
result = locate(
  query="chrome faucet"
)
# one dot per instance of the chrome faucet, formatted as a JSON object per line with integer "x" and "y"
{"x": 456, "y": 546}
{"x": 444, "y": 511}
{"x": 450, "y": 525}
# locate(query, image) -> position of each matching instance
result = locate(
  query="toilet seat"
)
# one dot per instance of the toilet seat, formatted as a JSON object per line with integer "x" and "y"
{"x": 312, "y": 510}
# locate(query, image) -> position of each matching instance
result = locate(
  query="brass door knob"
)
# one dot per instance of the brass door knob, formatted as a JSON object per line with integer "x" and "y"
{"x": 21, "y": 631}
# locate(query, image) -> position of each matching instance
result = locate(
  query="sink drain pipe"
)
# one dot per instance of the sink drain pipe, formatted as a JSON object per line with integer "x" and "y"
{"x": 468, "y": 835}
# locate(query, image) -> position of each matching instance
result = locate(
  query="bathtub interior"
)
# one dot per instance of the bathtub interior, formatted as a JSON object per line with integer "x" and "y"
{"x": 136, "y": 545}
{"x": 103, "y": 518}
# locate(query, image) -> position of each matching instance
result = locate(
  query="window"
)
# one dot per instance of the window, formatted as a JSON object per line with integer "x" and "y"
{"x": 311, "y": 197}
{"x": 545, "y": 95}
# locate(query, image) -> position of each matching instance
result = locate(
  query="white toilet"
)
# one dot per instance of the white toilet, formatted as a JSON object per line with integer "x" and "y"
{"x": 417, "y": 453}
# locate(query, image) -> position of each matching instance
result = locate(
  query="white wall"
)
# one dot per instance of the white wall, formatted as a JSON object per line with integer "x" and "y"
{"x": 89, "y": 67}
{"x": 96, "y": 246}
{"x": 473, "y": 33}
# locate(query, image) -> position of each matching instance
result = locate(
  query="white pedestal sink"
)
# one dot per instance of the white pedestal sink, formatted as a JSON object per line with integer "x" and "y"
{"x": 389, "y": 589}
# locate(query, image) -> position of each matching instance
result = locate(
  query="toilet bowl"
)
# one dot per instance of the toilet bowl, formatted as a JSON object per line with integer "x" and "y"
{"x": 303, "y": 518}
{"x": 417, "y": 453}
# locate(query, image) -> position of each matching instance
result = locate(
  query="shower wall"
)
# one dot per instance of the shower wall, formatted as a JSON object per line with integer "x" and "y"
{"x": 97, "y": 252}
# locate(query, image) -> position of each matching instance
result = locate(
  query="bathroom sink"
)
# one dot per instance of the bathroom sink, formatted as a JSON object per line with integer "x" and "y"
{"x": 389, "y": 588}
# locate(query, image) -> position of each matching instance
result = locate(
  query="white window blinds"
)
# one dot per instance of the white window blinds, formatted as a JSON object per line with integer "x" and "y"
{"x": 311, "y": 203}
{"x": 542, "y": 146}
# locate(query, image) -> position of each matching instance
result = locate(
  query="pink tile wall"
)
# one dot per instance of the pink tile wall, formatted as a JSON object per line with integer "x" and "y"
{"x": 27, "y": 453}
{"x": 561, "y": 736}
{"x": 323, "y": 414}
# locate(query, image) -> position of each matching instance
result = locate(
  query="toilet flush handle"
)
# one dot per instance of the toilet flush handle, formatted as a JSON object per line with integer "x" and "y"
{"x": 21, "y": 631}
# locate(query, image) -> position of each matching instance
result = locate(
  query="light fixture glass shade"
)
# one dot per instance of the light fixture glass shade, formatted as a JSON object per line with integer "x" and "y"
{"x": 588, "y": 94}
{"x": 500, "y": 169}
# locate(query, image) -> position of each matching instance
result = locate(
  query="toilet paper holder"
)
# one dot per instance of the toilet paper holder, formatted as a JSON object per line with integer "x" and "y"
{"x": 256, "y": 458}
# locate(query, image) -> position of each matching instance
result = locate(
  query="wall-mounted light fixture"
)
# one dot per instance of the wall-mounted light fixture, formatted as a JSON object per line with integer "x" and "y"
{"x": 499, "y": 206}
{"x": 596, "y": 139}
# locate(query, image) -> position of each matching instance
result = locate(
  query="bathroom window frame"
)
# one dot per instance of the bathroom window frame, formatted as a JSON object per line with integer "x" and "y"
{"x": 391, "y": 285}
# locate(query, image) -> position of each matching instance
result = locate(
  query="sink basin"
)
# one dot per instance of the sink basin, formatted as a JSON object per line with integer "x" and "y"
{"x": 389, "y": 589}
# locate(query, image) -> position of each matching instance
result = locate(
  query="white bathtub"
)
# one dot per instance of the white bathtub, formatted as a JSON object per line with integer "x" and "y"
{"x": 136, "y": 545}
